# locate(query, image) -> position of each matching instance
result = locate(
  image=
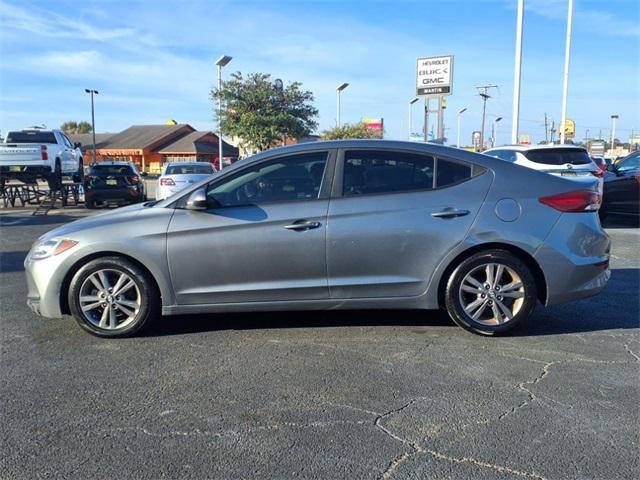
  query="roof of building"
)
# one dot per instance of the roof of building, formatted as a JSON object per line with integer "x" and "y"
{"x": 86, "y": 139}
{"x": 199, "y": 142}
{"x": 144, "y": 136}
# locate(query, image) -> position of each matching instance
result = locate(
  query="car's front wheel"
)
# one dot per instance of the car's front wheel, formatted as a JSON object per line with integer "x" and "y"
{"x": 490, "y": 292}
{"x": 113, "y": 297}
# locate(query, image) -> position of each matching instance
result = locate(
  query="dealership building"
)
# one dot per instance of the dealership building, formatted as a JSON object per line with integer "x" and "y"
{"x": 149, "y": 147}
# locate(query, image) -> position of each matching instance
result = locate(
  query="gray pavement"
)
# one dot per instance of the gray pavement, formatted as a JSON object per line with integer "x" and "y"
{"x": 349, "y": 395}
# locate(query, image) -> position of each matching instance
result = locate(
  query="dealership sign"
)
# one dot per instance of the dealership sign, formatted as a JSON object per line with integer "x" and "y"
{"x": 434, "y": 76}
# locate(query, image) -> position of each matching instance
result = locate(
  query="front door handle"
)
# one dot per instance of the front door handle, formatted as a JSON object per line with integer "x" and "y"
{"x": 301, "y": 225}
{"x": 450, "y": 213}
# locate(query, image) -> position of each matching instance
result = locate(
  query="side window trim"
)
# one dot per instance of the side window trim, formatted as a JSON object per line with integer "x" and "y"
{"x": 338, "y": 180}
{"x": 325, "y": 183}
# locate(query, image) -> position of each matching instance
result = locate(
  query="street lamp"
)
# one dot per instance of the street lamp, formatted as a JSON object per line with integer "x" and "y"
{"x": 340, "y": 88}
{"x": 613, "y": 130}
{"x": 494, "y": 131}
{"x": 460, "y": 112}
{"x": 565, "y": 82}
{"x": 411, "y": 102}
{"x": 223, "y": 61}
{"x": 93, "y": 120}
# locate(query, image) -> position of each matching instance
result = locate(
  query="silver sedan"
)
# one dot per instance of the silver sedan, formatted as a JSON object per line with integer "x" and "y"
{"x": 345, "y": 224}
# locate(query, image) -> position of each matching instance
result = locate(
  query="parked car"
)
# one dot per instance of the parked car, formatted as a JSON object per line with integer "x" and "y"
{"x": 179, "y": 175}
{"x": 113, "y": 182}
{"x": 622, "y": 189}
{"x": 326, "y": 225}
{"x": 603, "y": 163}
{"x": 36, "y": 153}
{"x": 560, "y": 160}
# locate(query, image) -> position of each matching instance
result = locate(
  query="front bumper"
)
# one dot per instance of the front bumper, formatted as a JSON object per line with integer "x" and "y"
{"x": 44, "y": 281}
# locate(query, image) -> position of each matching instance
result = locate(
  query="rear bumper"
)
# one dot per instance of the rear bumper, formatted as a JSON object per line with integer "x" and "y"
{"x": 11, "y": 171}
{"x": 100, "y": 194}
{"x": 575, "y": 258}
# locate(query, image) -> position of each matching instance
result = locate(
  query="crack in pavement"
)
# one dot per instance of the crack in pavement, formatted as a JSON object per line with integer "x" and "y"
{"x": 417, "y": 449}
{"x": 531, "y": 395}
{"x": 631, "y": 352}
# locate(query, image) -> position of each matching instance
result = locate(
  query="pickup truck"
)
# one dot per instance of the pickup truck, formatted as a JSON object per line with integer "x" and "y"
{"x": 34, "y": 153}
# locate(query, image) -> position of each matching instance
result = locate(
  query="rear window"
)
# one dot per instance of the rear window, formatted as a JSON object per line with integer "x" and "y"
{"x": 31, "y": 136}
{"x": 205, "y": 169}
{"x": 111, "y": 170}
{"x": 559, "y": 156}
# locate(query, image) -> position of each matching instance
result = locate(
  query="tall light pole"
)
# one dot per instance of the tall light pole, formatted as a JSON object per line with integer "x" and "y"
{"x": 93, "y": 120}
{"x": 460, "y": 112}
{"x": 613, "y": 130}
{"x": 411, "y": 102}
{"x": 494, "y": 131}
{"x": 223, "y": 61}
{"x": 565, "y": 83}
{"x": 515, "y": 116}
{"x": 340, "y": 88}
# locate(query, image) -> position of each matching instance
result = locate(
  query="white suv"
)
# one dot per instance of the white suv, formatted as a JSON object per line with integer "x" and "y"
{"x": 568, "y": 161}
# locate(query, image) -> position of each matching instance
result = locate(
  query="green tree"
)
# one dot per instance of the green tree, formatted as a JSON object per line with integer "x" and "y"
{"x": 72, "y": 127}
{"x": 260, "y": 114}
{"x": 355, "y": 130}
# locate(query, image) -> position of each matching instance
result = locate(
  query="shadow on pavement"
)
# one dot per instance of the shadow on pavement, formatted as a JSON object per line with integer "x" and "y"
{"x": 589, "y": 315}
{"x": 12, "y": 261}
{"x": 26, "y": 219}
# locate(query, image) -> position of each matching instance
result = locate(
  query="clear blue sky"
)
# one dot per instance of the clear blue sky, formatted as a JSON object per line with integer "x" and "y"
{"x": 153, "y": 60}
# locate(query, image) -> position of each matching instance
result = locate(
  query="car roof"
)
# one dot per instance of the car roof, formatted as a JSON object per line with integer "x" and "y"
{"x": 111, "y": 164}
{"x": 171, "y": 164}
{"x": 527, "y": 148}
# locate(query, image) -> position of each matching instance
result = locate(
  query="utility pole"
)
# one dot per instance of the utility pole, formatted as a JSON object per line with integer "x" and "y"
{"x": 93, "y": 121}
{"x": 565, "y": 83}
{"x": 515, "y": 116}
{"x": 546, "y": 128}
{"x": 553, "y": 131}
{"x": 483, "y": 89}
{"x": 426, "y": 119}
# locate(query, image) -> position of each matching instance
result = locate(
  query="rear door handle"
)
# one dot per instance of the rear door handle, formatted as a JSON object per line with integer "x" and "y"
{"x": 300, "y": 225}
{"x": 450, "y": 213}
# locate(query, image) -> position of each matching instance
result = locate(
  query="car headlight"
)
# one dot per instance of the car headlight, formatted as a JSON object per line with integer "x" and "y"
{"x": 47, "y": 248}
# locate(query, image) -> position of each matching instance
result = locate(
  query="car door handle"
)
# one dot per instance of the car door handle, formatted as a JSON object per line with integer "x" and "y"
{"x": 300, "y": 225}
{"x": 450, "y": 213}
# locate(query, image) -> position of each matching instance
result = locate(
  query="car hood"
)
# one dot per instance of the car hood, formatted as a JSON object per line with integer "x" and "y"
{"x": 102, "y": 220}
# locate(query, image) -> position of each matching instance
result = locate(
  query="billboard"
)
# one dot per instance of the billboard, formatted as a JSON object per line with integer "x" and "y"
{"x": 434, "y": 76}
{"x": 375, "y": 124}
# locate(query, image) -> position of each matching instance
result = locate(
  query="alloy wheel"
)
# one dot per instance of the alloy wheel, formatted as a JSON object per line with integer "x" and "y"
{"x": 109, "y": 299}
{"x": 492, "y": 294}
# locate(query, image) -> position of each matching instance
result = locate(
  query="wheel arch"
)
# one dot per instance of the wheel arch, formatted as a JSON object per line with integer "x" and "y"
{"x": 66, "y": 282}
{"x": 530, "y": 262}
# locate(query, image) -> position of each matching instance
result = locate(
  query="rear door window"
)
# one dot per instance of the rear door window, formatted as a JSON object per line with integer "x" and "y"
{"x": 559, "y": 156}
{"x": 450, "y": 172}
{"x": 381, "y": 171}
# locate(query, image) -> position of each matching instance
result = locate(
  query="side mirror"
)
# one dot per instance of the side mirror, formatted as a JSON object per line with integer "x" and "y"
{"x": 197, "y": 200}
{"x": 77, "y": 145}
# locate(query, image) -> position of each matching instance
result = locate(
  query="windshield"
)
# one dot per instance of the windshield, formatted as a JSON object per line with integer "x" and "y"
{"x": 632, "y": 162}
{"x": 30, "y": 136}
{"x": 205, "y": 169}
{"x": 559, "y": 156}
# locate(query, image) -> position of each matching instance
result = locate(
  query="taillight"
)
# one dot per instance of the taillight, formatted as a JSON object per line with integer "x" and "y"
{"x": 578, "y": 201}
{"x": 43, "y": 152}
{"x": 168, "y": 182}
{"x": 135, "y": 179}
{"x": 598, "y": 173}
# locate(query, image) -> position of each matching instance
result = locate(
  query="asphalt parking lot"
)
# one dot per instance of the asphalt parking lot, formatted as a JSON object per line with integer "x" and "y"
{"x": 357, "y": 394}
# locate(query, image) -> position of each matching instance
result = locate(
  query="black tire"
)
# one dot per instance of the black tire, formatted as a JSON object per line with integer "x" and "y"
{"x": 454, "y": 296}
{"x": 78, "y": 177}
{"x": 55, "y": 178}
{"x": 90, "y": 204}
{"x": 149, "y": 296}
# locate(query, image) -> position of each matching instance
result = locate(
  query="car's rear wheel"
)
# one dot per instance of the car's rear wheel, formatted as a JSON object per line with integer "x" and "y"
{"x": 78, "y": 177}
{"x": 490, "y": 292}
{"x": 113, "y": 297}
